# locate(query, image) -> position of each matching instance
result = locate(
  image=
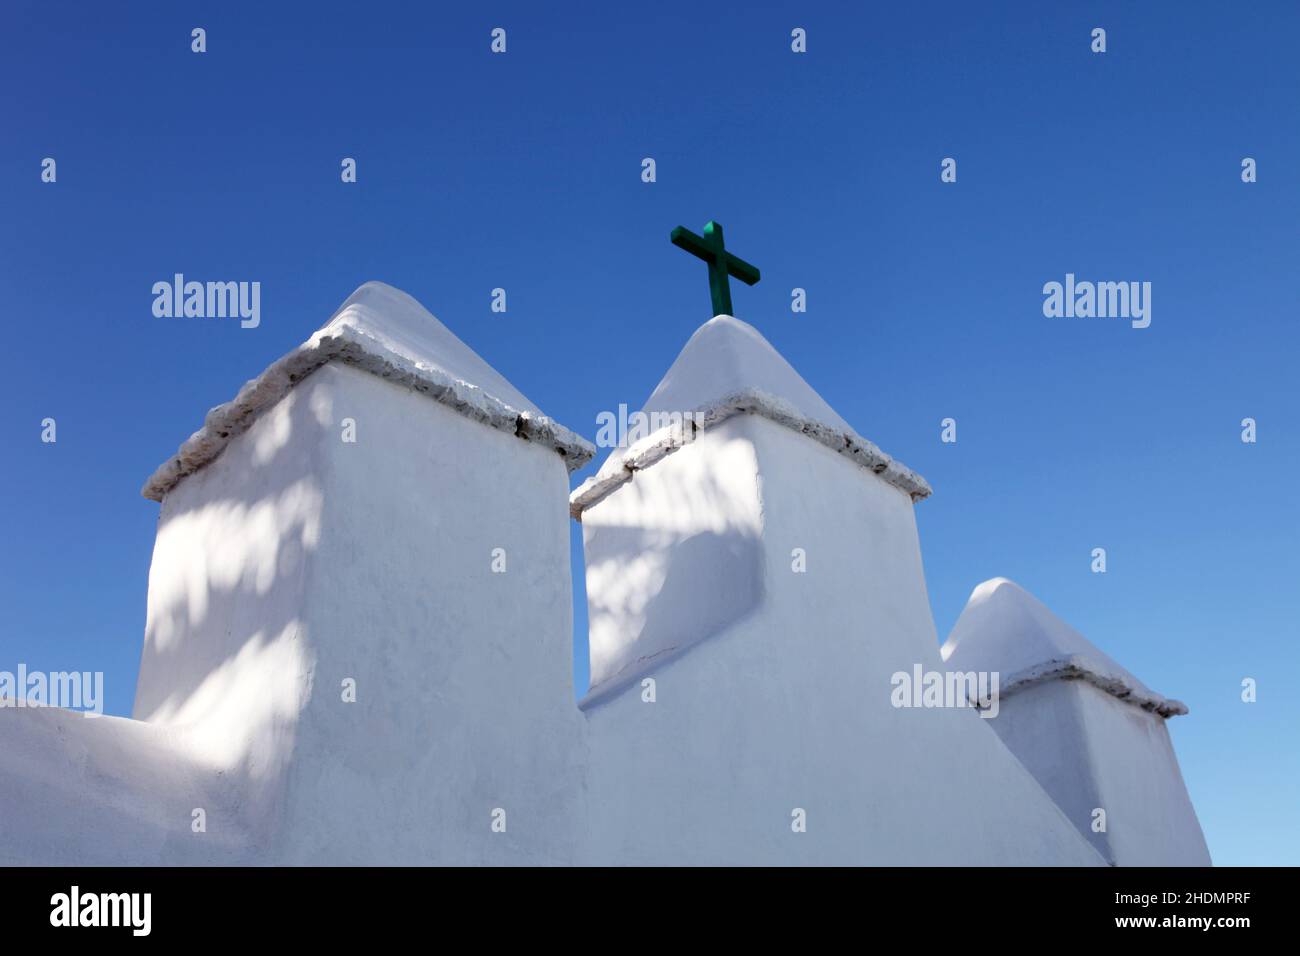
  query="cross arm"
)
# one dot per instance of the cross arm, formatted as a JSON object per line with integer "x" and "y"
{"x": 683, "y": 238}
{"x": 741, "y": 269}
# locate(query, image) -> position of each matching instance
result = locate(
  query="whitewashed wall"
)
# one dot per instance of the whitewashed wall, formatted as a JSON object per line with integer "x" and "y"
{"x": 296, "y": 561}
{"x": 1093, "y": 751}
{"x": 786, "y": 704}
{"x": 289, "y": 561}
{"x": 1092, "y": 733}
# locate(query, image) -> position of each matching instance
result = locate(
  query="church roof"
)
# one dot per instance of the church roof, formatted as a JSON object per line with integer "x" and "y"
{"x": 383, "y": 331}
{"x": 1006, "y": 629}
{"x": 728, "y": 368}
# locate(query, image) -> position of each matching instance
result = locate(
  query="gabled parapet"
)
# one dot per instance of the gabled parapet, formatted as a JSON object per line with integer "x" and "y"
{"x": 1005, "y": 628}
{"x": 1091, "y": 733}
{"x": 727, "y": 369}
{"x": 383, "y": 331}
{"x": 360, "y": 599}
{"x": 752, "y": 595}
{"x": 359, "y": 631}
{"x": 676, "y": 518}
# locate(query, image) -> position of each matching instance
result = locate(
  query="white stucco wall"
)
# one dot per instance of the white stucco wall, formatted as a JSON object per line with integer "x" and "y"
{"x": 289, "y": 561}
{"x": 106, "y": 791}
{"x": 224, "y": 672}
{"x": 228, "y": 654}
{"x": 674, "y": 556}
{"x": 787, "y": 704}
{"x": 463, "y": 675}
{"x": 1092, "y": 733}
{"x": 1092, "y": 751}
{"x": 296, "y": 560}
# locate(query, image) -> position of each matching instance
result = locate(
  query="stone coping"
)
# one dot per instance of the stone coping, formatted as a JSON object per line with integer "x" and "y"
{"x": 623, "y": 463}
{"x": 351, "y": 346}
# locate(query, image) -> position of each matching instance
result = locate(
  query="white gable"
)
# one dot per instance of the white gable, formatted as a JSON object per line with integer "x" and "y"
{"x": 726, "y": 356}
{"x": 359, "y": 651}
{"x": 1006, "y": 629}
{"x": 726, "y": 369}
{"x": 383, "y": 331}
{"x": 399, "y": 325}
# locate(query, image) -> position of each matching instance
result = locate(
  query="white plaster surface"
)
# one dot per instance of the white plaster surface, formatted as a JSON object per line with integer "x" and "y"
{"x": 288, "y": 562}
{"x": 331, "y": 561}
{"x": 726, "y": 369}
{"x": 725, "y": 356}
{"x": 105, "y": 791}
{"x": 1093, "y": 735}
{"x": 1005, "y": 628}
{"x": 383, "y": 331}
{"x": 783, "y": 701}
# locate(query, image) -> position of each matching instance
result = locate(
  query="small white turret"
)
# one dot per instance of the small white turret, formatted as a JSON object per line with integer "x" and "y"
{"x": 1091, "y": 733}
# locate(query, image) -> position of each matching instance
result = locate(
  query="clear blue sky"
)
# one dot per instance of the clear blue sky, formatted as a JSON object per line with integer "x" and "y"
{"x": 523, "y": 171}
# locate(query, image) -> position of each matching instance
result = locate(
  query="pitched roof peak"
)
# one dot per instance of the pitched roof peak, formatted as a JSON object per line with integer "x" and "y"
{"x": 728, "y": 368}
{"x": 385, "y": 332}
{"x": 725, "y": 356}
{"x": 1006, "y": 629}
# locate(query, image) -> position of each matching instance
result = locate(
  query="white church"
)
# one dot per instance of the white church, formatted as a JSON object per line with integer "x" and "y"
{"x": 360, "y": 623}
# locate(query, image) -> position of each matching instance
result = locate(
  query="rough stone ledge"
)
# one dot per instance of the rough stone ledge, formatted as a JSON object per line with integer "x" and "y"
{"x": 664, "y": 442}
{"x": 1077, "y": 667}
{"x": 352, "y": 347}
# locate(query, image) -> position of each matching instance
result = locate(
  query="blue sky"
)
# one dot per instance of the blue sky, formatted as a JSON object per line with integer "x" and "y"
{"x": 523, "y": 171}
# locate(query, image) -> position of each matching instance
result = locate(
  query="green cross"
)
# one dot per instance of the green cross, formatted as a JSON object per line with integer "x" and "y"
{"x": 722, "y": 263}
